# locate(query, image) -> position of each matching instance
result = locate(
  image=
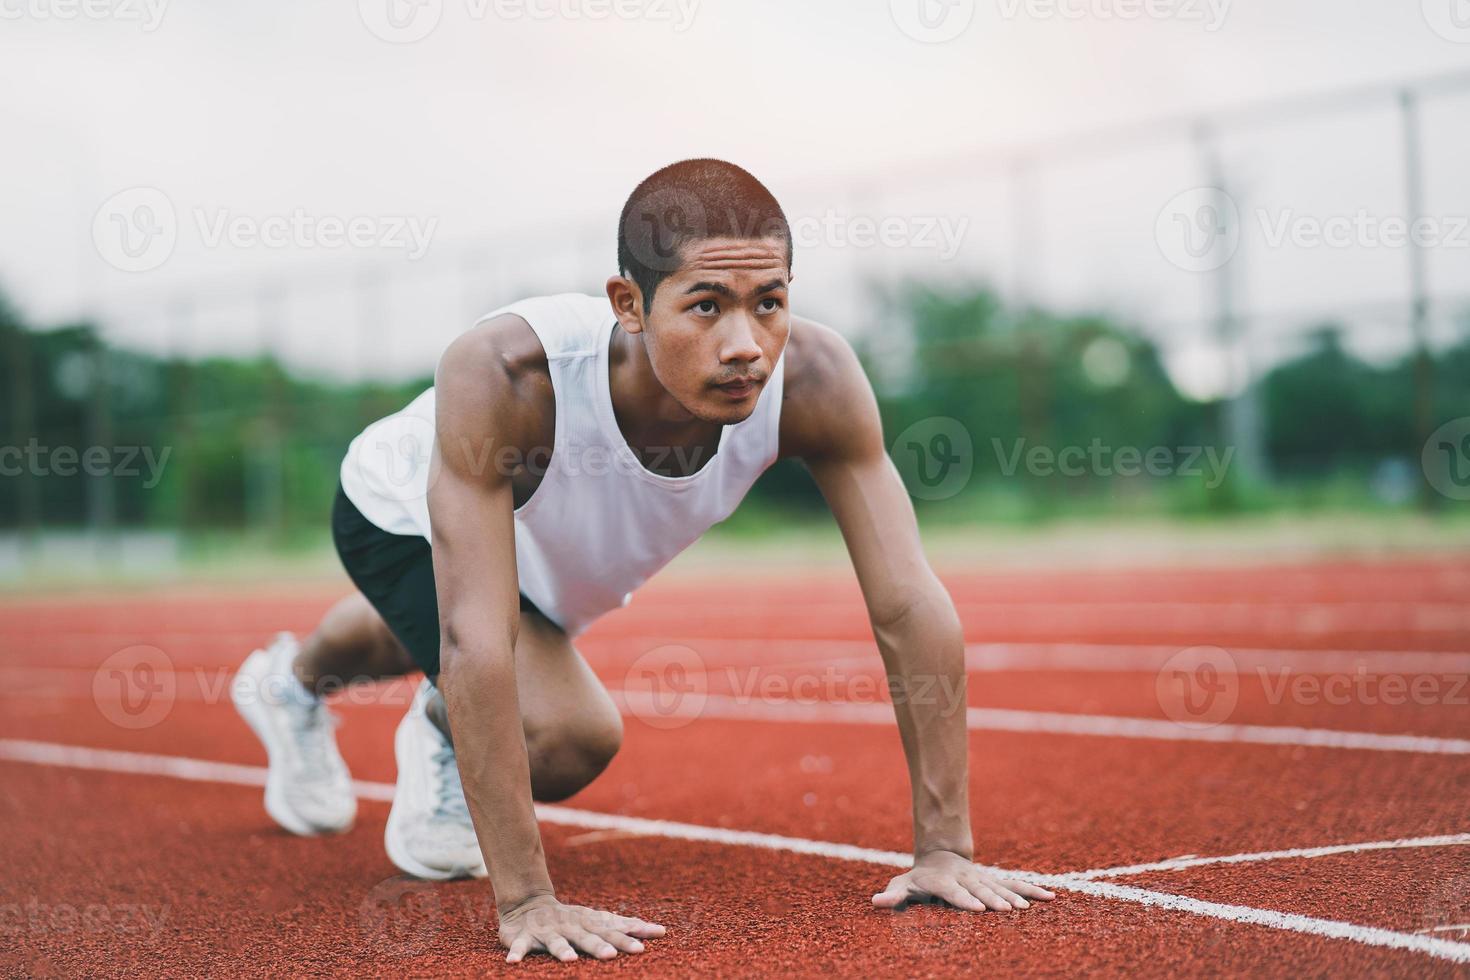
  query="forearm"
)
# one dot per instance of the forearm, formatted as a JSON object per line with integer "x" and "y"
{"x": 489, "y": 741}
{"x": 924, "y": 653}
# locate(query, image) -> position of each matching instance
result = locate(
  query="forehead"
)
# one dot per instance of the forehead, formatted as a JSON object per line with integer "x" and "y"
{"x": 727, "y": 259}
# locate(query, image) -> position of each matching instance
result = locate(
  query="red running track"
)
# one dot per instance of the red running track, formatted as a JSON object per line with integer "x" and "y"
{"x": 113, "y": 874}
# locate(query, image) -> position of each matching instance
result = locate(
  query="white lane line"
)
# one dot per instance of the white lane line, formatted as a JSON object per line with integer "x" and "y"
{"x": 1443, "y": 949}
{"x": 735, "y": 654}
{"x": 645, "y": 705}
{"x": 200, "y": 770}
{"x": 1296, "y": 853}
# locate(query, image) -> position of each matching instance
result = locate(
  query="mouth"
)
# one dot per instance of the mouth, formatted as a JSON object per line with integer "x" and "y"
{"x": 740, "y": 388}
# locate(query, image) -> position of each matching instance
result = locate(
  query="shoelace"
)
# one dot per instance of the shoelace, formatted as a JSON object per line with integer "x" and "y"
{"x": 311, "y": 728}
{"x": 449, "y": 802}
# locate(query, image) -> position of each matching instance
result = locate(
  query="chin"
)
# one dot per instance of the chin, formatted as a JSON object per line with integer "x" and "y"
{"x": 726, "y": 414}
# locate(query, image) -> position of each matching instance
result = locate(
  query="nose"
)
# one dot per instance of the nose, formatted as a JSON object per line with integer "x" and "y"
{"x": 738, "y": 344}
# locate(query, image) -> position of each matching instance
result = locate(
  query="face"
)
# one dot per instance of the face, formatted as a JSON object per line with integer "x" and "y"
{"x": 716, "y": 326}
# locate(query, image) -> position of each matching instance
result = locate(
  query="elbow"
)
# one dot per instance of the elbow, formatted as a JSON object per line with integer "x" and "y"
{"x": 463, "y": 647}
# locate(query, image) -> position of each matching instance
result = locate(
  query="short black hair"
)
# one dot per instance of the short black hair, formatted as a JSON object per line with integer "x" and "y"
{"x": 689, "y": 201}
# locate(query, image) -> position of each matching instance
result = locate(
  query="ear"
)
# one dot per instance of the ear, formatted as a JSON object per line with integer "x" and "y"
{"x": 627, "y": 303}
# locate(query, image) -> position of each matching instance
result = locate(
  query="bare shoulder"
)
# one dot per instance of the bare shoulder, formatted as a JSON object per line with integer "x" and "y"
{"x": 827, "y": 406}
{"x": 493, "y": 383}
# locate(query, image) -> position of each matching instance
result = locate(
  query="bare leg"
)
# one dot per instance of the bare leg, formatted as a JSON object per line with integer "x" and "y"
{"x": 352, "y": 644}
{"x": 572, "y": 726}
{"x": 573, "y": 729}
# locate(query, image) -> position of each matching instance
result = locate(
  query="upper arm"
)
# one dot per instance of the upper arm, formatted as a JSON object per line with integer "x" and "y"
{"x": 471, "y": 498}
{"x": 830, "y": 421}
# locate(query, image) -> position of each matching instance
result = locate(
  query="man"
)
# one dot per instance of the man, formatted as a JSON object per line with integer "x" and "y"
{"x": 577, "y": 447}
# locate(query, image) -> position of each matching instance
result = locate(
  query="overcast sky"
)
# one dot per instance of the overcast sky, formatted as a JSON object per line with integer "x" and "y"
{"x": 348, "y": 160}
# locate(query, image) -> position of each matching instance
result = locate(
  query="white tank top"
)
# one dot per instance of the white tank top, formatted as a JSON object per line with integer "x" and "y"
{"x": 600, "y": 523}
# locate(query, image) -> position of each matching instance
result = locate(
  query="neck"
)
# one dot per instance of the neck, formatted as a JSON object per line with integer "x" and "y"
{"x": 651, "y": 420}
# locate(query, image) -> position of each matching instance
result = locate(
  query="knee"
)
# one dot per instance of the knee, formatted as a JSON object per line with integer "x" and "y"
{"x": 569, "y": 754}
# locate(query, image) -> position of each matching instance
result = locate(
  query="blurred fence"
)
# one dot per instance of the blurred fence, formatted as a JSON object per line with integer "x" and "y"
{"x": 1226, "y": 239}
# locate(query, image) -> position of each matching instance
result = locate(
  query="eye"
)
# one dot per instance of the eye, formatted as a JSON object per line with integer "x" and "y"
{"x": 769, "y": 305}
{"x": 706, "y": 307}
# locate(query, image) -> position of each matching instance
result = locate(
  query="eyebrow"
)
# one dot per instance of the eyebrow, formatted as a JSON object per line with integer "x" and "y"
{"x": 710, "y": 287}
{"x": 723, "y": 290}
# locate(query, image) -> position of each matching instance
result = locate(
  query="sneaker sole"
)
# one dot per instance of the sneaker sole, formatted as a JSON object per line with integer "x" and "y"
{"x": 393, "y": 840}
{"x": 250, "y": 709}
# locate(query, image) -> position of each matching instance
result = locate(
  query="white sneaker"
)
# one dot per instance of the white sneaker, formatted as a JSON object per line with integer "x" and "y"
{"x": 429, "y": 833}
{"x": 308, "y": 789}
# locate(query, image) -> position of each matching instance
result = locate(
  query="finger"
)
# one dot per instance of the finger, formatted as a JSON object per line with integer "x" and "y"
{"x": 639, "y": 928}
{"x": 1029, "y": 890}
{"x": 1015, "y": 901}
{"x": 999, "y": 888}
{"x": 624, "y": 942}
{"x": 992, "y": 900}
{"x": 892, "y": 896}
{"x": 558, "y": 946}
{"x": 591, "y": 943}
{"x": 520, "y": 947}
{"x": 959, "y": 896}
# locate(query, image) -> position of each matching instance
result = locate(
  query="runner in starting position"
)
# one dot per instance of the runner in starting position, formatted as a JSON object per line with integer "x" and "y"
{"x": 571, "y": 447}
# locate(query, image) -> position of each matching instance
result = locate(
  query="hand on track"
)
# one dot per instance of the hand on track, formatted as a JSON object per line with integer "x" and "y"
{"x": 950, "y": 878}
{"x": 542, "y": 924}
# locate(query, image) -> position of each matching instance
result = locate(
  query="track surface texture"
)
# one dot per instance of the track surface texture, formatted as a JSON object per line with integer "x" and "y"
{"x": 1244, "y": 770}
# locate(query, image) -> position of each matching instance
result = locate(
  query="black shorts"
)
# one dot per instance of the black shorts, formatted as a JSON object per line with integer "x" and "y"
{"x": 396, "y": 573}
